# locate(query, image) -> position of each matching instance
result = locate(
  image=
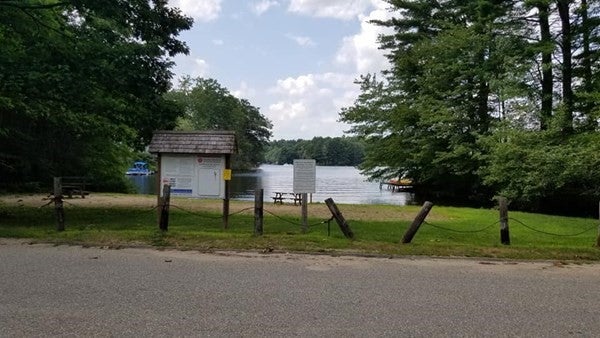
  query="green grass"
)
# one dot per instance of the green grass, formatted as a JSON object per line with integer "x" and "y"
{"x": 448, "y": 231}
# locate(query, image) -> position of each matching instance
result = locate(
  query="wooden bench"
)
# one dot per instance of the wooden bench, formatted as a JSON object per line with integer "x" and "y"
{"x": 74, "y": 185}
{"x": 279, "y": 197}
{"x": 297, "y": 198}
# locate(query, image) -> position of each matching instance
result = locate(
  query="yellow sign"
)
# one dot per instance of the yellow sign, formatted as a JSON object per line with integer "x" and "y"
{"x": 227, "y": 174}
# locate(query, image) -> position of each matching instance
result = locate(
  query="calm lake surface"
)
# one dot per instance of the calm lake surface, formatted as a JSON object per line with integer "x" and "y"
{"x": 343, "y": 184}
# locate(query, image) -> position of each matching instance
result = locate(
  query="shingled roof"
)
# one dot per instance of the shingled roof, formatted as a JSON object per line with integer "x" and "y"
{"x": 193, "y": 142}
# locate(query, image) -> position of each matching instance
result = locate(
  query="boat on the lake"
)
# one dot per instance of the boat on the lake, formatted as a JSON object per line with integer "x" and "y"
{"x": 398, "y": 184}
{"x": 139, "y": 168}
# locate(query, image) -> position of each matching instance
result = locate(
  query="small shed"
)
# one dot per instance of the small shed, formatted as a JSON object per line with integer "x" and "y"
{"x": 195, "y": 164}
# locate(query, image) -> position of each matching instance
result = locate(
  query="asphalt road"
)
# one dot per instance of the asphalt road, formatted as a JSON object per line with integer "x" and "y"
{"x": 74, "y": 291}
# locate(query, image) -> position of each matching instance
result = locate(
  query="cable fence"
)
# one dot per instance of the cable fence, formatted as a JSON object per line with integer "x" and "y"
{"x": 461, "y": 231}
{"x": 199, "y": 214}
{"x": 293, "y": 222}
{"x": 551, "y": 233}
{"x": 514, "y": 220}
{"x": 284, "y": 219}
{"x": 278, "y": 220}
{"x": 194, "y": 213}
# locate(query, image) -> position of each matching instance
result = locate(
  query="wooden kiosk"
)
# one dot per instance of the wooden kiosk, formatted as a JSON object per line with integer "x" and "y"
{"x": 195, "y": 164}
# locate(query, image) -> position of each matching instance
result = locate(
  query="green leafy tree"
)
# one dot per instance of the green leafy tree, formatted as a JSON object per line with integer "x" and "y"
{"x": 541, "y": 170}
{"x": 209, "y": 106}
{"x": 424, "y": 119}
{"x": 470, "y": 84}
{"x": 81, "y": 84}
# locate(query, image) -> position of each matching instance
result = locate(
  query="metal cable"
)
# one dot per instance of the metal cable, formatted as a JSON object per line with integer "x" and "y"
{"x": 281, "y": 218}
{"x": 294, "y": 223}
{"x": 551, "y": 233}
{"x": 461, "y": 231}
{"x": 194, "y": 213}
{"x": 322, "y": 222}
{"x": 240, "y": 211}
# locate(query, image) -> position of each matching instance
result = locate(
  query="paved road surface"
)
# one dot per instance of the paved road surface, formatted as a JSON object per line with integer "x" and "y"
{"x": 74, "y": 291}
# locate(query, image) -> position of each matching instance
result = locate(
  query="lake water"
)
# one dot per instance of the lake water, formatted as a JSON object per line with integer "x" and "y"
{"x": 343, "y": 184}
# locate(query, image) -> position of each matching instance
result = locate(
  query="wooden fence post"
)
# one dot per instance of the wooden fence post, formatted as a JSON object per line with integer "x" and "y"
{"x": 163, "y": 223}
{"x": 504, "y": 233}
{"x": 304, "y": 204}
{"x": 58, "y": 205}
{"x": 227, "y": 193}
{"x": 598, "y": 238}
{"x": 341, "y": 221}
{"x": 414, "y": 226}
{"x": 258, "y": 212}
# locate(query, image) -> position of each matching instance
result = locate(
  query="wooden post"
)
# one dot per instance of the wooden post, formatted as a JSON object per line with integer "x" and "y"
{"x": 258, "y": 212}
{"x": 414, "y": 227}
{"x": 164, "y": 208}
{"x": 341, "y": 221}
{"x": 304, "y": 212}
{"x": 504, "y": 234}
{"x": 158, "y": 183}
{"x": 598, "y": 238}
{"x": 226, "y": 199}
{"x": 58, "y": 205}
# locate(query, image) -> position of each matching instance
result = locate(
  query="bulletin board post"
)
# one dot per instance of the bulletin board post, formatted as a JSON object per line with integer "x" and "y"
{"x": 305, "y": 176}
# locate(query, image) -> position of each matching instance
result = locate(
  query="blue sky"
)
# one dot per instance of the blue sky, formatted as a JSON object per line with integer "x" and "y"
{"x": 295, "y": 60}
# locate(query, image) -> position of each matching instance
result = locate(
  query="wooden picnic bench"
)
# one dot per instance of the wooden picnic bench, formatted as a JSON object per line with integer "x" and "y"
{"x": 279, "y": 197}
{"x": 74, "y": 185}
{"x": 297, "y": 198}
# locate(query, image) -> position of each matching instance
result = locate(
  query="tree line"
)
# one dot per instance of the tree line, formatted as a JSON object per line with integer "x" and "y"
{"x": 331, "y": 151}
{"x": 487, "y": 98}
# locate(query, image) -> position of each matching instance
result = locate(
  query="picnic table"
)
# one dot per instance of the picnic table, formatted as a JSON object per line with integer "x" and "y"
{"x": 74, "y": 185}
{"x": 279, "y": 197}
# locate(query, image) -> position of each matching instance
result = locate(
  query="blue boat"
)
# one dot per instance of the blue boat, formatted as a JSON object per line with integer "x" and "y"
{"x": 139, "y": 168}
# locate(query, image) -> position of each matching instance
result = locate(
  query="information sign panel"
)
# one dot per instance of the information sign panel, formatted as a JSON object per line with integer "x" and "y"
{"x": 193, "y": 176}
{"x": 305, "y": 176}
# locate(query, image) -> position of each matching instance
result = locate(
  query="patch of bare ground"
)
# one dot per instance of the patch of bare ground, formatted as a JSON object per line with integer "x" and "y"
{"x": 316, "y": 210}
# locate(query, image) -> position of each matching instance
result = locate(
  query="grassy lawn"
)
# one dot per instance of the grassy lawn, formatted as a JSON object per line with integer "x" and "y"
{"x": 130, "y": 220}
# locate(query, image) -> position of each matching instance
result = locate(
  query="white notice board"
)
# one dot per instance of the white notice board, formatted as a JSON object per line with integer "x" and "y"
{"x": 193, "y": 175}
{"x": 305, "y": 176}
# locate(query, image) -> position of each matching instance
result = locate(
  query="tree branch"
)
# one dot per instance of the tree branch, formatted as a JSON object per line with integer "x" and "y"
{"x": 24, "y": 6}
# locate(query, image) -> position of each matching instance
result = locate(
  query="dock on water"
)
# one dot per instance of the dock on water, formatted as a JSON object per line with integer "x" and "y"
{"x": 397, "y": 184}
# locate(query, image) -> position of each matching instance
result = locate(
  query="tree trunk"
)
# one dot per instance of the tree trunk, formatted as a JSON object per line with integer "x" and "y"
{"x": 567, "y": 66}
{"x": 586, "y": 64}
{"x": 547, "y": 80}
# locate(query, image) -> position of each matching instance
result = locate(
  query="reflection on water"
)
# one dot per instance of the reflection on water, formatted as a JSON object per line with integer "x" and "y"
{"x": 343, "y": 184}
{"x": 145, "y": 184}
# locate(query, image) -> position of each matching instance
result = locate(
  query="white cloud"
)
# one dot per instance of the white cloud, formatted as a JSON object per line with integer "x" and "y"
{"x": 308, "y": 105}
{"x": 189, "y": 65}
{"x": 303, "y": 41}
{"x": 361, "y": 50}
{"x": 338, "y": 9}
{"x": 301, "y": 105}
{"x": 262, "y": 6}
{"x": 201, "y": 10}
{"x": 244, "y": 91}
{"x": 200, "y": 68}
{"x": 295, "y": 86}
{"x": 288, "y": 110}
